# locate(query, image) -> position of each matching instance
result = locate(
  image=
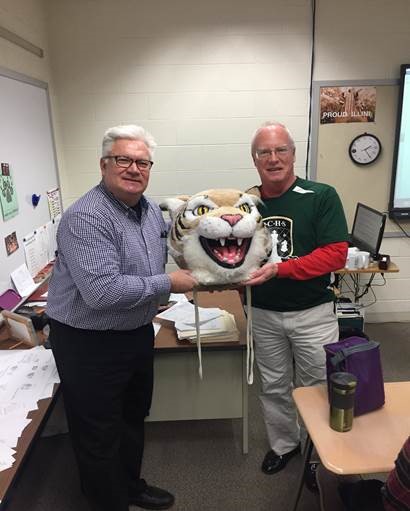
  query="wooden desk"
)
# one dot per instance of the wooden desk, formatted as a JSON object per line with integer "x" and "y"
{"x": 372, "y": 270}
{"x": 38, "y": 418}
{"x": 373, "y": 443}
{"x": 179, "y": 393}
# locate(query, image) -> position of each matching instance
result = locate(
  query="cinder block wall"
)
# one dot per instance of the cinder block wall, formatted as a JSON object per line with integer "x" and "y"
{"x": 201, "y": 77}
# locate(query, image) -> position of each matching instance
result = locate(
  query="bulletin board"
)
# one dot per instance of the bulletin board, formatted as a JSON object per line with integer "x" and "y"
{"x": 27, "y": 146}
{"x": 330, "y": 162}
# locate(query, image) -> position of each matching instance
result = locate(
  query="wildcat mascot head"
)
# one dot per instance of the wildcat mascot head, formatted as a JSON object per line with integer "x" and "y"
{"x": 218, "y": 235}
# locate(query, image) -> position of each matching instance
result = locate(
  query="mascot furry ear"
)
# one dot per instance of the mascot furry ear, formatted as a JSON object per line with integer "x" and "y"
{"x": 217, "y": 234}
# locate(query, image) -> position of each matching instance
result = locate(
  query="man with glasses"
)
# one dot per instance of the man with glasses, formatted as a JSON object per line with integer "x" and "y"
{"x": 104, "y": 292}
{"x": 293, "y": 310}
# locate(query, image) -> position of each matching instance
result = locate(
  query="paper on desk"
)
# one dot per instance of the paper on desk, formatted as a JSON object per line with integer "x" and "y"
{"x": 185, "y": 312}
{"x": 178, "y": 297}
{"x": 22, "y": 372}
{"x": 6, "y": 456}
{"x": 217, "y": 324}
{"x": 5, "y": 449}
{"x": 8, "y": 408}
{"x": 48, "y": 388}
{"x": 26, "y": 376}
{"x": 205, "y": 315}
{"x": 157, "y": 328}
{"x": 23, "y": 281}
{"x": 177, "y": 311}
{"x": 12, "y": 428}
{"x": 5, "y": 353}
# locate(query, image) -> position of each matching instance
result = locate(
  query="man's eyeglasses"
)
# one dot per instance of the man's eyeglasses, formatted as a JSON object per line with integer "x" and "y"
{"x": 125, "y": 163}
{"x": 264, "y": 154}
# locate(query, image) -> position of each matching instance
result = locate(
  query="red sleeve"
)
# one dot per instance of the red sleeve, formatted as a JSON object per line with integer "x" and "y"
{"x": 322, "y": 260}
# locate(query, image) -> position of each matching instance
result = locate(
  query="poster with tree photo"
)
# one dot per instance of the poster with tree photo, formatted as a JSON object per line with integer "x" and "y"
{"x": 347, "y": 104}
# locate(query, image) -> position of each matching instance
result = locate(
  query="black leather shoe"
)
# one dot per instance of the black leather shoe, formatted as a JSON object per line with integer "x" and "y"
{"x": 153, "y": 498}
{"x": 273, "y": 463}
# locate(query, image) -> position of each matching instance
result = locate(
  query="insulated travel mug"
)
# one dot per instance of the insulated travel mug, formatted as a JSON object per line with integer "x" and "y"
{"x": 342, "y": 390}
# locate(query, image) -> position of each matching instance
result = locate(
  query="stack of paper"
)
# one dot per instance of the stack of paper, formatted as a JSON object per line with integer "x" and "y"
{"x": 215, "y": 325}
{"x": 26, "y": 376}
{"x": 220, "y": 329}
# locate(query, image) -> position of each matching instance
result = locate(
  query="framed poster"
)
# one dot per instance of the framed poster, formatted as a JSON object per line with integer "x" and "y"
{"x": 347, "y": 104}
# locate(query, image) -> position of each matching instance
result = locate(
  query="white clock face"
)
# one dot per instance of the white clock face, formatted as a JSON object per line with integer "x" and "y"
{"x": 365, "y": 149}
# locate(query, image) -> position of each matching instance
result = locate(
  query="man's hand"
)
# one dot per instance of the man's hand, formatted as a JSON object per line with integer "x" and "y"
{"x": 182, "y": 281}
{"x": 262, "y": 275}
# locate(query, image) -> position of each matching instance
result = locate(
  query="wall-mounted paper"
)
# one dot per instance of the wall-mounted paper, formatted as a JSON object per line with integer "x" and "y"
{"x": 54, "y": 202}
{"x": 8, "y": 194}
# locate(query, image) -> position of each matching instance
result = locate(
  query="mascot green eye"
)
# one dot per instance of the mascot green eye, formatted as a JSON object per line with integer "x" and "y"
{"x": 201, "y": 210}
{"x": 245, "y": 207}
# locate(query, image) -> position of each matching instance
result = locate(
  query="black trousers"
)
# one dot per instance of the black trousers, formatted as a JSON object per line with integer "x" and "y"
{"x": 106, "y": 380}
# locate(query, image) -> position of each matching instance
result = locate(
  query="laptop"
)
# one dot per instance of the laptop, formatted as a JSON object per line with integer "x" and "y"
{"x": 368, "y": 229}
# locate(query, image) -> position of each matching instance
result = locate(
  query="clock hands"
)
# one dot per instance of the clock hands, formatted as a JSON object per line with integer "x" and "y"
{"x": 366, "y": 150}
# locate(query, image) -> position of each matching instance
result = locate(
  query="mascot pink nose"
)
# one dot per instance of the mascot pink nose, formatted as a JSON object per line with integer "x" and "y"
{"x": 232, "y": 219}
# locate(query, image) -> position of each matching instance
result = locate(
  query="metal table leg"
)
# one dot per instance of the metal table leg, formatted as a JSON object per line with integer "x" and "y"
{"x": 307, "y": 452}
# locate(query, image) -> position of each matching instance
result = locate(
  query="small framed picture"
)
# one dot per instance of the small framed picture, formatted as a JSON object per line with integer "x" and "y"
{"x": 5, "y": 169}
{"x": 20, "y": 329}
{"x": 11, "y": 243}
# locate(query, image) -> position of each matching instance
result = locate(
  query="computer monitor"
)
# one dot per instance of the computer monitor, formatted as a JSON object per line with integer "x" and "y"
{"x": 368, "y": 229}
{"x": 399, "y": 204}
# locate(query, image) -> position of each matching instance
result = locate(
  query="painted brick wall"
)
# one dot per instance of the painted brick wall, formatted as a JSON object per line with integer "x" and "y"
{"x": 200, "y": 76}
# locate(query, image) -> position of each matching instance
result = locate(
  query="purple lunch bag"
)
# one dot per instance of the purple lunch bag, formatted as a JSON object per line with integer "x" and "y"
{"x": 360, "y": 357}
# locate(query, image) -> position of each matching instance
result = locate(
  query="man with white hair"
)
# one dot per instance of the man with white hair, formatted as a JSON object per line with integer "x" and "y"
{"x": 293, "y": 311}
{"x": 104, "y": 292}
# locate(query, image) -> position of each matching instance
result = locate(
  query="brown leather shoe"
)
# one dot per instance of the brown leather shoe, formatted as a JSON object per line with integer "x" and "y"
{"x": 273, "y": 462}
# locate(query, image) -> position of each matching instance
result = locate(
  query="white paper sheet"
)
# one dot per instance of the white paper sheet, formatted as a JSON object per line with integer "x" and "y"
{"x": 212, "y": 324}
{"x": 6, "y": 456}
{"x": 23, "y": 280}
{"x": 34, "y": 253}
{"x": 185, "y": 312}
{"x": 157, "y": 328}
{"x": 178, "y": 297}
{"x": 54, "y": 202}
{"x": 26, "y": 376}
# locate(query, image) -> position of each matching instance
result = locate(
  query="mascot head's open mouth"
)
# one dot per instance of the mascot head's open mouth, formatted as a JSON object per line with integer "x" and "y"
{"x": 226, "y": 252}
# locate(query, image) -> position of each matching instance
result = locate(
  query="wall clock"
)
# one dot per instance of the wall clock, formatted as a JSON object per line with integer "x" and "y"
{"x": 365, "y": 149}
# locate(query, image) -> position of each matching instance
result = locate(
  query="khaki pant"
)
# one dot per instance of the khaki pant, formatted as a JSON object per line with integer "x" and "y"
{"x": 289, "y": 352}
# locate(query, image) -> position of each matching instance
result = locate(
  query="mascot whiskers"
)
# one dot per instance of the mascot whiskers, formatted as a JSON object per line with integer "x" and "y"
{"x": 219, "y": 235}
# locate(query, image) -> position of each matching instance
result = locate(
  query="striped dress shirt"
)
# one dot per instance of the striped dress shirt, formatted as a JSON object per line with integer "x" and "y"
{"x": 110, "y": 268}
